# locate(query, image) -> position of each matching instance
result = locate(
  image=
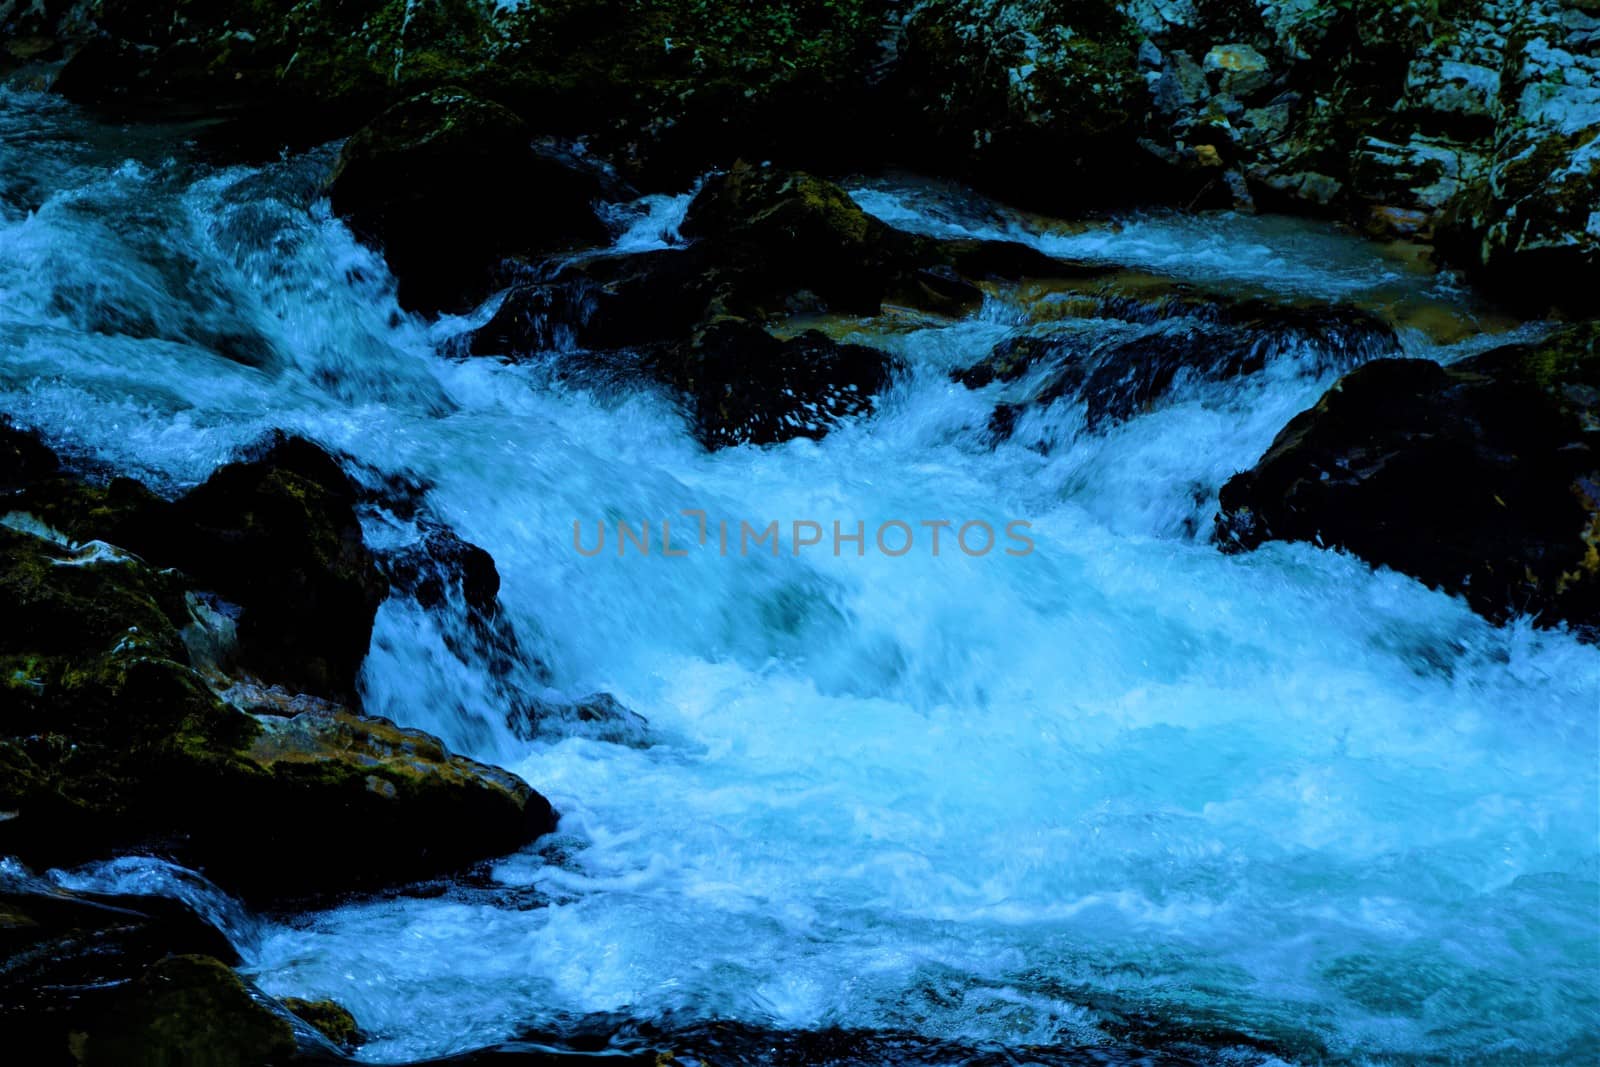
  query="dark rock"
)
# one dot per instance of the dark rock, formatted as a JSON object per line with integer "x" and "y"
{"x": 69, "y": 961}
{"x": 1184, "y": 337}
{"x": 24, "y": 457}
{"x": 443, "y": 567}
{"x": 786, "y": 232}
{"x": 610, "y": 302}
{"x": 1481, "y": 478}
{"x": 449, "y": 186}
{"x": 110, "y": 739}
{"x": 766, "y": 243}
{"x": 597, "y": 717}
{"x": 748, "y": 387}
{"x": 359, "y": 801}
{"x": 278, "y": 535}
{"x": 189, "y": 1010}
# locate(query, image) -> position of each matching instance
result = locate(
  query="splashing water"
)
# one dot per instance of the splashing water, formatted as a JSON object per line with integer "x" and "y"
{"x": 1123, "y": 785}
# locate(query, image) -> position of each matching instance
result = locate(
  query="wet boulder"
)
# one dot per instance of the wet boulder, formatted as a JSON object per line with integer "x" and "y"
{"x": 449, "y": 185}
{"x": 275, "y": 534}
{"x": 1481, "y": 478}
{"x": 750, "y": 387}
{"x": 73, "y": 962}
{"x": 278, "y": 535}
{"x": 442, "y": 568}
{"x": 330, "y": 1019}
{"x": 192, "y": 1010}
{"x": 359, "y": 801}
{"x": 786, "y": 232}
{"x": 1132, "y": 353}
{"x": 112, "y": 738}
{"x": 764, "y": 243}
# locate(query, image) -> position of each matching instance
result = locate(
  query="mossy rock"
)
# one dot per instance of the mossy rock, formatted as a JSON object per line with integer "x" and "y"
{"x": 110, "y": 738}
{"x": 274, "y": 533}
{"x": 194, "y": 1011}
{"x": 277, "y": 533}
{"x": 749, "y": 387}
{"x": 1481, "y": 478}
{"x": 329, "y": 1018}
{"x": 359, "y": 801}
{"x": 781, "y": 232}
{"x": 1525, "y": 231}
{"x": 68, "y": 954}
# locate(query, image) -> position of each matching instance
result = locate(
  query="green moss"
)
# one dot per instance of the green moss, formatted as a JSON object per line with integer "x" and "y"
{"x": 330, "y": 1018}
{"x": 190, "y": 1010}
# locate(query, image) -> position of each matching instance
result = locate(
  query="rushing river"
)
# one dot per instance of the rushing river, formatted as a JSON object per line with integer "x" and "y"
{"x": 1120, "y": 787}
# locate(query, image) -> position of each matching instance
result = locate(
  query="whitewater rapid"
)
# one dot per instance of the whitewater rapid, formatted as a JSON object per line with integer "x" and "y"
{"x": 1280, "y": 797}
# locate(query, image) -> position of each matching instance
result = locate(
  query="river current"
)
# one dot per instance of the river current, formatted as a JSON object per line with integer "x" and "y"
{"x": 1121, "y": 786}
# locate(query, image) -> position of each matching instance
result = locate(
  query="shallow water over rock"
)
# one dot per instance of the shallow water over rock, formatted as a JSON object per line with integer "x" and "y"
{"x": 1121, "y": 794}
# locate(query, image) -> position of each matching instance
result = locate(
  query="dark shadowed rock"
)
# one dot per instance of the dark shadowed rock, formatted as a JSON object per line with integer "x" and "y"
{"x": 189, "y": 1010}
{"x": 278, "y": 535}
{"x": 449, "y": 185}
{"x": 765, "y": 244}
{"x": 749, "y": 387}
{"x": 1183, "y": 338}
{"x": 71, "y": 963}
{"x": 442, "y": 567}
{"x": 111, "y": 738}
{"x": 359, "y": 801}
{"x": 1527, "y": 228}
{"x": 24, "y": 457}
{"x": 1481, "y": 478}
{"x": 786, "y": 232}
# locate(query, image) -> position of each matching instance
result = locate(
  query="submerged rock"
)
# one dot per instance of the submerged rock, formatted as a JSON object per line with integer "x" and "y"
{"x": 449, "y": 186}
{"x": 1481, "y": 478}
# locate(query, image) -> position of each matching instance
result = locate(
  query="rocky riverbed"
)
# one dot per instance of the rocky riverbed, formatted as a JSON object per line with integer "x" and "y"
{"x": 1258, "y": 337}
